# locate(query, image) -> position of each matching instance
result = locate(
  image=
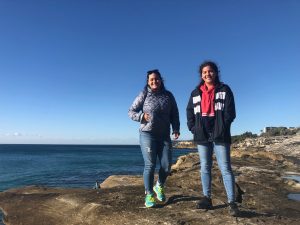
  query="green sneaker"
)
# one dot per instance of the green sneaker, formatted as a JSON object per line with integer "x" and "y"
{"x": 149, "y": 201}
{"x": 160, "y": 192}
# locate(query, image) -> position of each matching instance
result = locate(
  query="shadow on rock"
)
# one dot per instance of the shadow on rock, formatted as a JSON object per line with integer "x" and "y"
{"x": 252, "y": 214}
{"x": 180, "y": 198}
{"x": 219, "y": 206}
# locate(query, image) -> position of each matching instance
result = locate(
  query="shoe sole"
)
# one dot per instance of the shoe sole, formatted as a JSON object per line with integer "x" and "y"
{"x": 209, "y": 207}
{"x": 150, "y": 206}
{"x": 205, "y": 209}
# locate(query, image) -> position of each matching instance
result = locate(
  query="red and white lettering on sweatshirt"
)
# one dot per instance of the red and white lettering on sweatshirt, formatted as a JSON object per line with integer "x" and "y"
{"x": 207, "y": 100}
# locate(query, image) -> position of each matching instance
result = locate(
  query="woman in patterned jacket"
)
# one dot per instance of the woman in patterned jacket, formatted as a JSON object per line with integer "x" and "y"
{"x": 156, "y": 110}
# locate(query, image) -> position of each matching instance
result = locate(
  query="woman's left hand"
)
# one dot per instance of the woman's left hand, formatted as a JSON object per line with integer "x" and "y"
{"x": 176, "y": 136}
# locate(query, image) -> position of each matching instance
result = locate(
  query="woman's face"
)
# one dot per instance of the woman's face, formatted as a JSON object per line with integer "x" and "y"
{"x": 154, "y": 82}
{"x": 208, "y": 75}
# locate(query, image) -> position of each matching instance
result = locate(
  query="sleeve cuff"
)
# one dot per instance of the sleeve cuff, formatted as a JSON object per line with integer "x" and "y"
{"x": 141, "y": 117}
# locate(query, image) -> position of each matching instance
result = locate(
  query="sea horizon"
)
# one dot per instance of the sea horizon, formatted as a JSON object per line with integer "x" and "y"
{"x": 67, "y": 144}
{"x": 69, "y": 165}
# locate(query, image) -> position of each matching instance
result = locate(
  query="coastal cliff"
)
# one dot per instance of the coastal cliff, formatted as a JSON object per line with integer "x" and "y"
{"x": 263, "y": 169}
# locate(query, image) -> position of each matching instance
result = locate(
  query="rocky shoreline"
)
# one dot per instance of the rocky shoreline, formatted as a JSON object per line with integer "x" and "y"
{"x": 262, "y": 189}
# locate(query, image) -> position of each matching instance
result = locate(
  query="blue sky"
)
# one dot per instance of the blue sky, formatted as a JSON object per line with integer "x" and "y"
{"x": 71, "y": 69}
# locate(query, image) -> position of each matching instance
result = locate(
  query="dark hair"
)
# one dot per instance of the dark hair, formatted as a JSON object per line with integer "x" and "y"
{"x": 214, "y": 67}
{"x": 156, "y": 71}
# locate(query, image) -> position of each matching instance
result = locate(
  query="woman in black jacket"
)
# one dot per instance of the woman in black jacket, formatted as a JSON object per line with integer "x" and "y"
{"x": 210, "y": 112}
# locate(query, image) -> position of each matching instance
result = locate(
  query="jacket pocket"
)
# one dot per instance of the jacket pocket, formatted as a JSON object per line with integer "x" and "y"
{"x": 219, "y": 132}
{"x": 145, "y": 126}
{"x": 193, "y": 130}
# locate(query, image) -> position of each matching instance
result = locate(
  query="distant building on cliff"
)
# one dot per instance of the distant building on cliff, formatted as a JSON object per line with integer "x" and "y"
{"x": 274, "y": 131}
{"x": 267, "y": 129}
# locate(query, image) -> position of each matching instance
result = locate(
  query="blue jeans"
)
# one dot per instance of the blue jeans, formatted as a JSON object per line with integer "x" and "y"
{"x": 154, "y": 147}
{"x": 222, "y": 152}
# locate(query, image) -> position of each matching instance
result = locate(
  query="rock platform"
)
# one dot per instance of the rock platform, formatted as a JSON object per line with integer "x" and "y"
{"x": 260, "y": 188}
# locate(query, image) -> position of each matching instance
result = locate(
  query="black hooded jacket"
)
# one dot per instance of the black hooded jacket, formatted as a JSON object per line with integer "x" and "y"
{"x": 224, "y": 115}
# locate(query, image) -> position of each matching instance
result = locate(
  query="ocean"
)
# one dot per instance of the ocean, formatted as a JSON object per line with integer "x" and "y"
{"x": 69, "y": 166}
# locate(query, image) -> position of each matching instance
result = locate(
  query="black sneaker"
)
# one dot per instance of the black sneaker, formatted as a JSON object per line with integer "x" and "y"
{"x": 204, "y": 203}
{"x": 233, "y": 209}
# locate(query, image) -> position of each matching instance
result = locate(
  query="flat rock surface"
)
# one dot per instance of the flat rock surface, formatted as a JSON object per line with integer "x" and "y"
{"x": 261, "y": 189}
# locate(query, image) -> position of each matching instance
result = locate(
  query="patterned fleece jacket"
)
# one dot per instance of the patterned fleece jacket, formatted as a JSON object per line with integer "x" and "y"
{"x": 163, "y": 112}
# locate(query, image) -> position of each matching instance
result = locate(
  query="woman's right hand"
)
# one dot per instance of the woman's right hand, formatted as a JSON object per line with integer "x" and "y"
{"x": 147, "y": 117}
